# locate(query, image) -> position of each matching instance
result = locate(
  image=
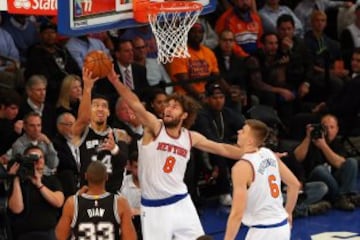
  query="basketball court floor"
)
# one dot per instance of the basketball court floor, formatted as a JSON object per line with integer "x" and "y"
{"x": 332, "y": 225}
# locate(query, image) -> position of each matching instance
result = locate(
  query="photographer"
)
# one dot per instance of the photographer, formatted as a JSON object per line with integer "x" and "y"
{"x": 324, "y": 159}
{"x": 34, "y": 199}
{"x": 33, "y": 135}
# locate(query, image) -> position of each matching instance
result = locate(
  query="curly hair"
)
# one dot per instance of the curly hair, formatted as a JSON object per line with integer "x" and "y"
{"x": 189, "y": 105}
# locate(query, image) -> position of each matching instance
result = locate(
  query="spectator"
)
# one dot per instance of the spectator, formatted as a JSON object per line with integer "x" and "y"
{"x": 157, "y": 102}
{"x": 324, "y": 159}
{"x": 24, "y": 32}
{"x": 220, "y": 124}
{"x": 70, "y": 95}
{"x": 299, "y": 68}
{"x": 324, "y": 53}
{"x": 156, "y": 74}
{"x": 131, "y": 191}
{"x": 51, "y": 60}
{"x": 146, "y": 34}
{"x": 349, "y": 38}
{"x": 245, "y": 24}
{"x": 35, "y": 102}
{"x": 80, "y": 46}
{"x": 33, "y": 135}
{"x": 231, "y": 66}
{"x": 68, "y": 154}
{"x": 34, "y": 201}
{"x": 305, "y": 9}
{"x": 346, "y": 105}
{"x": 236, "y": 71}
{"x": 105, "y": 37}
{"x": 132, "y": 74}
{"x": 10, "y": 74}
{"x": 10, "y": 128}
{"x": 191, "y": 74}
{"x": 114, "y": 220}
{"x": 274, "y": 89}
{"x": 127, "y": 121}
{"x": 210, "y": 38}
{"x": 95, "y": 139}
{"x": 272, "y": 11}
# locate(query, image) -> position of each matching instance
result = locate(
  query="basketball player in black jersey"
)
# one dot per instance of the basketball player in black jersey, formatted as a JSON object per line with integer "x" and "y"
{"x": 96, "y": 214}
{"x": 96, "y": 140}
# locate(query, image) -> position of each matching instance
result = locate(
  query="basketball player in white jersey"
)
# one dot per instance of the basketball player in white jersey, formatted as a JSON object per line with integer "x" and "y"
{"x": 167, "y": 211}
{"x": 96, "y": 214}
{"x": 257, "y": 198}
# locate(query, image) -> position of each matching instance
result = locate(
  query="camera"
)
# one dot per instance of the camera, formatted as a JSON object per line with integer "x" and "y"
{"x": 318, "y": 131}
{"x": 26, "y": 163}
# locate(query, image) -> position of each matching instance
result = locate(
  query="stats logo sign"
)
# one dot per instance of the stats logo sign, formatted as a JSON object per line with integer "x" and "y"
{"x": 32, "y": 7}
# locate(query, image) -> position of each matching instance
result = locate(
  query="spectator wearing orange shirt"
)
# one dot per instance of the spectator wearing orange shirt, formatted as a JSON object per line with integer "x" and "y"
{"x": 200, "y": 67}
{"x": 245, "y": 24}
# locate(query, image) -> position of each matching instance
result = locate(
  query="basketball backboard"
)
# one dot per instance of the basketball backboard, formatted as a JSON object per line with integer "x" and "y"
{"x": 79, "y": 17}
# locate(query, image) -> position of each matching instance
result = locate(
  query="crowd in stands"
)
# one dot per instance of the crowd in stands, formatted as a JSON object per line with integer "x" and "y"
{"x": 282, "y": 62}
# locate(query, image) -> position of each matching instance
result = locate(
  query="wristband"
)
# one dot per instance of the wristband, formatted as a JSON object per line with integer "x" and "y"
{"x": 115, "y": 150}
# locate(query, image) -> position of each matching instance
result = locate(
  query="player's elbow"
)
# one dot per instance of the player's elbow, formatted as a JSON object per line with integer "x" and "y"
{"x": 58, "y": 200}
{"x": 295, "y": 185}
{"x": 16, "y": 209}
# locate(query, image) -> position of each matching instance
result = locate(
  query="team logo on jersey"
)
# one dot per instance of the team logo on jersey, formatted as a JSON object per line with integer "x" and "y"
{"x": 167, "y": 147}
{"x": 92, "y": 143}
{"x": 265, "y": 164}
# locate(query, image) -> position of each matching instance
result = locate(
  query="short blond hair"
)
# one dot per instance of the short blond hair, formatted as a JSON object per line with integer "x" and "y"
{"x": 259, "y": 129}
{"x": 317, "y": 13}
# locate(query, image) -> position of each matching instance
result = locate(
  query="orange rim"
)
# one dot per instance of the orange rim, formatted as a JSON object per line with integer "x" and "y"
{"x": 142, "y": 8}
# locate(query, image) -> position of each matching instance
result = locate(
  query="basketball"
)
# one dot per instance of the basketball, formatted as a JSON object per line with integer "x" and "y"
{"x": 99, "y": 63}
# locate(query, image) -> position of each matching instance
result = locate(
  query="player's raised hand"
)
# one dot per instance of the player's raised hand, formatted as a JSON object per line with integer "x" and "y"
{"x": 88, "y": 78}
{"x": 113, "y": 77}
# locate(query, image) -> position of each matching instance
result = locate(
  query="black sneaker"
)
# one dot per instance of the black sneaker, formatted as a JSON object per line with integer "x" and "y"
{"x": 319, "y": 207}
{"x": 343, "y": 203}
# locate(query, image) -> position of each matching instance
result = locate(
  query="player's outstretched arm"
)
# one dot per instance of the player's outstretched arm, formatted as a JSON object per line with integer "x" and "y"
{"x": 293, "y": 187}
{"x": 241, "y": 174}
{"x": 125, "y": 214}
{"x": 83, "y": 118}
{"x": 222, "y": 149}
{"x": 146, "y": 118}
{"x": 63, "y": 228}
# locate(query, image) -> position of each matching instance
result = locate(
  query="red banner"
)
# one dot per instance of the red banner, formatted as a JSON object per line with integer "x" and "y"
{"x": 33, "y": 7}
{"x": 93, "y": 7}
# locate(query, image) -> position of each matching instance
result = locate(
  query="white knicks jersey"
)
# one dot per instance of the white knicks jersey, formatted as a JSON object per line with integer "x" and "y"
{"x": 264, "y": 201}
{"x": 162, "y": 165}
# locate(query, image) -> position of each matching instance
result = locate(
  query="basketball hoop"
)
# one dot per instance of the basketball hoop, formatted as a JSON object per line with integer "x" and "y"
{"x": 170, "y": 22}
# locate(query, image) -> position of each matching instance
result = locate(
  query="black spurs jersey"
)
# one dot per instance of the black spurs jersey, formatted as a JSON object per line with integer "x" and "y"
{"x": 89, "y": 151}
{"x": 96, "y": 217}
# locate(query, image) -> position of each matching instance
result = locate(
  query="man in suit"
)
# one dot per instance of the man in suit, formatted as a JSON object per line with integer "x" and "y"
{"x": 69, "y": 161}
{"x": 35, "y": 102}
{"x": 131, "y": 74}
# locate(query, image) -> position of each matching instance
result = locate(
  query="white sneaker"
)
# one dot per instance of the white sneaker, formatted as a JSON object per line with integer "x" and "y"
{"x": 225, "y": 199}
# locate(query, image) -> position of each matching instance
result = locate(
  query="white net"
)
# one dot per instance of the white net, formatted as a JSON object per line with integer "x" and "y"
{"x": 171, "y": 31}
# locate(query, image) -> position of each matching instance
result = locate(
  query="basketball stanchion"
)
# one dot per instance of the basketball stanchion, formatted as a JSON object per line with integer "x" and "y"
{"x": 170, "y": 22}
